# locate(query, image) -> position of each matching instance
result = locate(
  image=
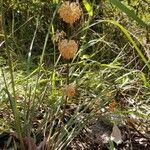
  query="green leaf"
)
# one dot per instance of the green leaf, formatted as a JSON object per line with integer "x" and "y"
{"x": 129, "y": 13}
{"x": 88, "y": 7}
{"x": 55, "y": 1}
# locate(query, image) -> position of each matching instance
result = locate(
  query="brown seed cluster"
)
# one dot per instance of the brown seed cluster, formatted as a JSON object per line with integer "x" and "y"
{"x": 70, "y": 90}
{"x": 112, "y": 106}
{"x": 70, "y": 12}
{"x": 67, "y": 48}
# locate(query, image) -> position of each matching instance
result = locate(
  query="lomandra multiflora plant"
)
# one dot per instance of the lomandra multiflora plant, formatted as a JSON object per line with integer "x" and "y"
{"x": 42, "y": 110}
{"x": 70, "y": 12}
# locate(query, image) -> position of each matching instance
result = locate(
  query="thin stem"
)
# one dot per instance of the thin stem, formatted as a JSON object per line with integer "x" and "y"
{"x": 66, "y": 98}
{"x": 12, "y": 99}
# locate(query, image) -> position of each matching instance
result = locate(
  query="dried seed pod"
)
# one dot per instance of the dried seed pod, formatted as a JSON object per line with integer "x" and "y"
{"x": 70, "y": 90}
{"x": 67, "y": 48}
{"x": 112, "y": 106}
{"x": 70, "y": 12}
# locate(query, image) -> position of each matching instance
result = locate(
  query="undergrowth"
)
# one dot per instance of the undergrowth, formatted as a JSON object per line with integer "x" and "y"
{"x": 48, "y": 95}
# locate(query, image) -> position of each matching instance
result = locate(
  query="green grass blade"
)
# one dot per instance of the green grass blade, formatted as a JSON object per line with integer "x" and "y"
{"x": 147, "y": 62}
{"x": 130, "y": 13}
{"x": 88, "y": 7}
{"x": 131, "y": 41}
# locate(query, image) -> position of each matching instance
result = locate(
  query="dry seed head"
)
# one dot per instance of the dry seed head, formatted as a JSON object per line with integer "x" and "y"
{"x": 67, "y": 48}
{"x": 112, "y": 106}
{"x": 70, "y": 90}
{"x": 70, "y": 12}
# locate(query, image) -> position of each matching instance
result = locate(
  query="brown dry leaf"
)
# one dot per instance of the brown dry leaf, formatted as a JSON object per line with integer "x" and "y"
{"x": 116, "y": 135}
